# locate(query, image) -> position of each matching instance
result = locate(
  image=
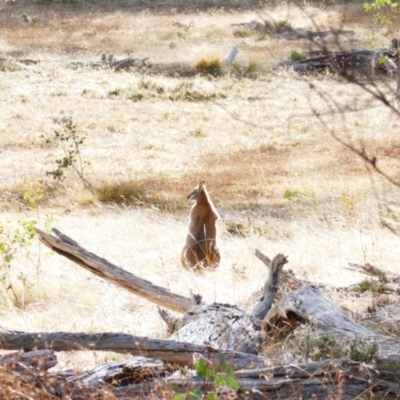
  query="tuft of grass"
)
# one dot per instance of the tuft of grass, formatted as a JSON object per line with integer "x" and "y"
{"x": 253, "y": 66}
{"x": 370, "y": 285}
{"x": 137, "y": 194}
{"x": 10, "y": 66}
{"x": 242, "y": 33}
{"x": 209, "y": 66}
{"x": 245, "y": 227}
{"x": 296, "y": 56}
{"x": 136, "y": 97}
{"x": 121, "y": 193}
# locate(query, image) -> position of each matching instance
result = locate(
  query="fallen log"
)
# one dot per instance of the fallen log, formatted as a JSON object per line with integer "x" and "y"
{"x": 112, "y": 64}
{"x": 26, "y": 376}
{"x": 312, "y": 305}
{"x": 337, "y": 378}
{"x": 224, "y": 326}
{"x": 70, "y": 249}
{"x": 40, "y": 360}
{"x": 365, "y": 61}
{"x": 166, "y": 350}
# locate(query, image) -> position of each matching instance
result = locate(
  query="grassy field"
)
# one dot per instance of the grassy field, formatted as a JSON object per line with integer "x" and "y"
{"x": 261, "y": 136}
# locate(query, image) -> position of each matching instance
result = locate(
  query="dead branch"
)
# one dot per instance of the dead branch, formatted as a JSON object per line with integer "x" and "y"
{"x": 110, "y": 272}
{"x": 165, "y": 350}
{"x": 287, "y": 278}
{"x": 271, "y": 287}
{"x": 368, "y": 269}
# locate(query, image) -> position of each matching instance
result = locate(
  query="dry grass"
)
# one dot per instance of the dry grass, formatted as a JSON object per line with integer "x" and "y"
{"x": 263, "y": 144}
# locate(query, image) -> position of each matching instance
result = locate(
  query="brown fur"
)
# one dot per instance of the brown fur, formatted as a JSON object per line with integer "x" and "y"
{"x": 201, "y": 248}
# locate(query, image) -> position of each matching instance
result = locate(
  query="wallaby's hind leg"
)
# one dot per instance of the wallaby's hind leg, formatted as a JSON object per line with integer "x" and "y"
{"x": 193, "y": 254}
{"x": 213, "y": 258}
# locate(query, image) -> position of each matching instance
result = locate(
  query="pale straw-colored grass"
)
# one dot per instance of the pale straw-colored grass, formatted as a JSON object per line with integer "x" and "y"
{"x": 252, "y": 140}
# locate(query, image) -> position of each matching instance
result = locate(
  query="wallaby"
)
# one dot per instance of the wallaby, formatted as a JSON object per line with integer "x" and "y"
{"x": 201, "y": 248}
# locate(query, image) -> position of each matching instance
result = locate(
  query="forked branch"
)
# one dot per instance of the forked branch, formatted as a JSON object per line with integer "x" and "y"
{"x": 271, "y": 285}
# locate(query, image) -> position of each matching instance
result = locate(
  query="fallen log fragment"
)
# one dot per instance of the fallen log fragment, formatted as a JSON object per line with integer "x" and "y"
{"x": 226, "y": 327}
{"x": 165, "y": 350}
{"x": 112, "y": 64}
{"x": 20, "y": 61}
{"x": 368, "y": 269}
{"x": 389, "y": 367}
{"x": 28, "y": 373}
{"x": 40, "y": 360}
{"x": 312, "y": 305}
{"x": 365, "y": 61}
{"x": 337, "y": 378}
{"x": 384, "y": 318}
{"x": 101, "y": 267}
{"x": 131, "y": 372}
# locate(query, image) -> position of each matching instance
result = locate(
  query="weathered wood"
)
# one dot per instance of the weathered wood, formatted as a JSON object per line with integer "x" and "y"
{"x": 171, "y": 321}
{"x": 271, "y": 287}
{"x": 365, "y": 61}
{"x": 133, "y": 371}
{"x": 224, "y": 326}
{"x": 395, "y": 45}
{"x": 112, "y": 64}
{"x": 38, "y": 360}
{"x": 221, "y": 326}
{"x": 287, "y": 278}
{"x": 26, "y": 376}
{"x": 335, "y": 379}
{"x": 165, "y": 350}
{"x": 389, "y": 367}
{"x": 368, "y": 269}
{"x": 385, "y": 319}
{"x": 312, "y": 305}
{"x": 110, "y": 272}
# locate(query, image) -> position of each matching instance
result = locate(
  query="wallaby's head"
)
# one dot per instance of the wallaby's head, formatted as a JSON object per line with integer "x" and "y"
{"x": 194, "y": 195}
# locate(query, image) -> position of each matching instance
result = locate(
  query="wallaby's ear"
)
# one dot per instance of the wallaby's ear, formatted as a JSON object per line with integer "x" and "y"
{"x": 203, "y": 184}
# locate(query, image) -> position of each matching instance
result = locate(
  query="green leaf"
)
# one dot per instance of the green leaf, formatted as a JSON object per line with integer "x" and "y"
{"x": 201, "y": 369}
{"x": 221, "y": 380}
{"x": 195, "y": 394}
{"x": 212, "y": 396}
{"x": 179, "y": 396}
{"x": 233, "y": 383}
{"x": 288, "y": 195}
